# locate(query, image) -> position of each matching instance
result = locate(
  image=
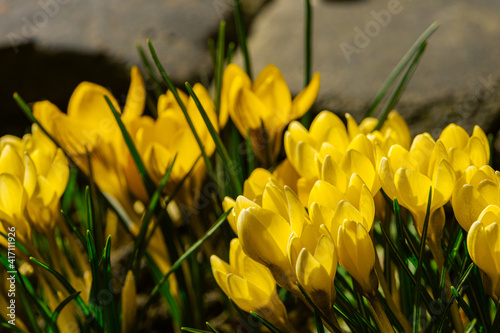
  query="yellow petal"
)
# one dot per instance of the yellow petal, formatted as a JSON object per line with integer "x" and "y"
{"x": 12, "y": 198}
{"x": 315, "y": 280}
{"x": 245, "y": 108}
{"x": 59, "y": 173}
{"x": 443, "y": 184}
{"x": 477, "y": 132}
{"x": 332, "y": 173}
{"x": 478, "y": 151}
{"x": 326, "y": 254}
{"x": 326, "y": 195}
{"x": 413, "y": 189}
{"x": 136, "y": 97}
{"x": 305, "y": 99}
{"x": 387, "y": 178}
{"x": 274, "y": 199}
{"x": 355, "y": 162}
{"x": 270, "y": 88}
{"x": 227, "y": 204}
{"x": 480, "y": 249}
{"x": 11, "y": 162}
{"x": 490, "y": 215}
{"x": 129, "y": 303}
{"x": 467, "y": 205}
{"x": 421, "y": 150}
{"x": 454, "y": 136}
{"x": 87, "y": 104}
{"x": 352, "y": 126}
{"x": 321, "y": 215}
{"x": 220, "y": 269}
{"x": 264, "y": 237}
{"x": 297, "y": 212}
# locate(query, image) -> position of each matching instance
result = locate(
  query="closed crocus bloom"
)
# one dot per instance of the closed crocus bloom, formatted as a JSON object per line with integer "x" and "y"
{"x": 408, "y": 176}
{"x": 43, "y": 171}
{"x": 250, "y": 285}
{"x": 393, "y": 131}
{"x": 13, "y": 199}
{"x": 329, "y": 206}
{"x": 316, "y": 271}
{"x": 483, "y": 243}
{"x": 265, "y": 104}
{"x": 357, "y": 255}
{"x": 473, "y": 192}
{"x": 465, "y": 150}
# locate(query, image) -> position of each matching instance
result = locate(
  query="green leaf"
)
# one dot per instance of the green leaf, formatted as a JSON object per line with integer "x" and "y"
{"x": 74, "y": 228}
{"x": 110, "y": 308}
{"x": 393, "y": 100}
{"x": 12, "y": 328}
{"x": 78, "y": 300}
{"x": 399, "y": 67}
{"x": 219, "y": 68}
{"x": 139, "y": 245}
{"x": 148, "y": 183}
{"x": 306, "y": 118}
{"x": 211, "y": 327}
{"x": 240, "y": 29}
{"x": 266, "y": 323}
{"x": 96, "y": 280}
{"x": 194, "y": 330}
{"x": 58, "y": 310}
{"x": 221, "y": 149}
{"x": 172, "y": 88}
{"x": 318, "y": 322}
{"x": 157, "y": 86}
{"x": 416, "y": 305}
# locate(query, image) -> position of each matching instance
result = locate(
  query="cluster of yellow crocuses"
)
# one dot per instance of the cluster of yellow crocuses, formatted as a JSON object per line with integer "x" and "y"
{"x": 298, "y": 230}
{"x": 293, "y": 225}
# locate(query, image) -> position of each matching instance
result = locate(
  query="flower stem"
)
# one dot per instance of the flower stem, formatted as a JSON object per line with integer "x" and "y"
{"x": 379, "y": 314}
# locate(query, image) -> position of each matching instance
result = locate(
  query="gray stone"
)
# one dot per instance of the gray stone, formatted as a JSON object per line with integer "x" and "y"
{"x": 357, "y": 43}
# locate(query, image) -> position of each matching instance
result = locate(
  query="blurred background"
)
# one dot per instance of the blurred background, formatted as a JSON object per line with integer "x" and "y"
{"x": 47, "y": 47}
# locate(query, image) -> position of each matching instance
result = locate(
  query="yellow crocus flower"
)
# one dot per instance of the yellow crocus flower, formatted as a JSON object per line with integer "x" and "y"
{"x": 473, "y": 192}
{"x": 409, "y": 175}
{"x": 393, "y": 131}
{"x": 264, "y": 104}
{"x": 465, "y": 150}
{"x": 89, "y": 127}
{"x": 483, "y": 244}
{"x": 250, "y": 285}
{"x": 357, "y": 255}
{"x": 330, "y": 206}
{"x": 41, "y": 169}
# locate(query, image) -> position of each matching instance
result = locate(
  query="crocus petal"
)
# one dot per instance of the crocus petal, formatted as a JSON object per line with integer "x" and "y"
{"x": 136, "y": 97}
{"x": 305, "y": 99}
{"x": 245, "y": 108}
{"x": 467, "y": 205}
{"x": 315, "y": 280}
{"x": 480, "y": 249}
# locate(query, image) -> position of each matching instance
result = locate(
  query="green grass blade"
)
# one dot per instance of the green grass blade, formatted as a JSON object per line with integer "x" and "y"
{"x": 230, "y": 52}
{"x": 461, "y": 302}
{"x": 94, "y": 305}
{"x": 401, "y": 87}
{"x": 306, "y": 118}
{"x": 73, "y": 228}
{"x": 186, "y": 255}
{"x": 157, "y": 86}
{"x": 57, "y": 311}
{"x": 139, "y": 245}
{"x": 148, "y": 183}
{"x": 10, "y": 327}
{"x": 221, "y": 149}
{"x": 242, "y": 40}
{"x": 219, "y": 65}
{"x": 211, "y": 327}
{"x": 399, "y": 67}
{"x": 78, "y": 300}
{"x": 470, "y": 327}
{"x": 318, "y": 322}
{"x": 194, "y": 330}
{"x": 110, "y": 308}
{"x": 496, "y": 322}
{"x": 172, "y": 88}
{"x": 416, "y": 305}
{"x": 266, "y": 323}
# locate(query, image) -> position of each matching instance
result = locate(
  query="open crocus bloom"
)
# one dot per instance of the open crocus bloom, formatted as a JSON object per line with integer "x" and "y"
{"x": 483, "y": 243}
{"x": 263, "y": 107}
{"x": 250, "y": 285}
{"x": 89, "y": 127}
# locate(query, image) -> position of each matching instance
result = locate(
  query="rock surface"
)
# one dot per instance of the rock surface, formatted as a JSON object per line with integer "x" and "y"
{"x": 357, "y": 43}
{"x": 74, "y": 40}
